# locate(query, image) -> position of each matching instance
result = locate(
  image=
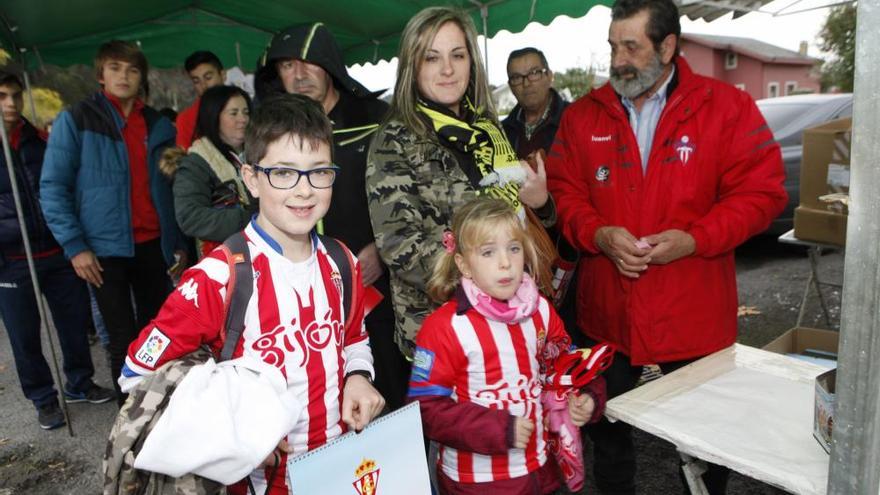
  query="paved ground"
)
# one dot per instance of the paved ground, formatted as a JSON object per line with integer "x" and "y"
{"x": 32, "y": 461}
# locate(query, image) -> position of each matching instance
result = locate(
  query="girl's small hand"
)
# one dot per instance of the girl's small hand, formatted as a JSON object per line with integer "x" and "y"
{"x": 580, "y": 408}
{"x": 522, "y": 432}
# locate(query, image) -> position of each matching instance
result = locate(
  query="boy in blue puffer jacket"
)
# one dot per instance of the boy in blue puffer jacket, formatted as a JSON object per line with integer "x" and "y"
{"x": 105, "y": 200}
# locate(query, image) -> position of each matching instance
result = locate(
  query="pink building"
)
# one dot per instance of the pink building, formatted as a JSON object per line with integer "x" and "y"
{"x": 761, "y": 69}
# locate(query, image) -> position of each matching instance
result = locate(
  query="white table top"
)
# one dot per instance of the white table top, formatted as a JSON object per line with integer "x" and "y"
{"x": 789, "y": 238}
{"x": 745, "y": 408}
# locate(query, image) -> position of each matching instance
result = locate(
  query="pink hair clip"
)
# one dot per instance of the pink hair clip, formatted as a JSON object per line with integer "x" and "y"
{"x": 449, "y": 241}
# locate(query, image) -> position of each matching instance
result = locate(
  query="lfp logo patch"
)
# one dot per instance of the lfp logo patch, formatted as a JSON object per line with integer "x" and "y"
{"x": 423, "y": 363}
{"x": 153, "y": 348}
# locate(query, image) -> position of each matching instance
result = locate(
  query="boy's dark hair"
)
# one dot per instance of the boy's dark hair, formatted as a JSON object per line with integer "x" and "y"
{"x": 663, "y": 18}
{"x": 213, "y": 102}
{"x": 200, "y": 57}
{"x": 8, "y": 78}
{"x": 529, "y": 50}
{"x": 125, "y": 51}
{"x": 286, "y": 115}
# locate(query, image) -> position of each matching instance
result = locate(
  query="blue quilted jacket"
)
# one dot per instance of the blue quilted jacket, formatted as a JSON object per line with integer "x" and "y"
{"x": 85, "y": 184}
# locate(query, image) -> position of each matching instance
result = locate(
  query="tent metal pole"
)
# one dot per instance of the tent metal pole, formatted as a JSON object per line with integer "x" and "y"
{"x": 35, "y": 283}
{"x": 484, "y": 14}
{"x": 30, "y": 92}
{"x": 238, "y": 54}
{"x": 855, "y": 452}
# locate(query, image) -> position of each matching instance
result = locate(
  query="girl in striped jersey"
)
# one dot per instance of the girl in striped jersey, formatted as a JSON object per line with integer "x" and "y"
{"x": 481, "y": 357}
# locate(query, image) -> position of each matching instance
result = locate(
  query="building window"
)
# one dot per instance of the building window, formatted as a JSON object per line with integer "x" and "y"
{"x": 730, "y": 60}
{"x": 773, "y": 90}
{"x": 790, "y": 87}
{"x": 740, "y": 86}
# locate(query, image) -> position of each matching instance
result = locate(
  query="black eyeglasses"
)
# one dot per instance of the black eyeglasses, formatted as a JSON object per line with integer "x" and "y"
{"x": 533, "y": 75}
{"x": 288, "y": 178}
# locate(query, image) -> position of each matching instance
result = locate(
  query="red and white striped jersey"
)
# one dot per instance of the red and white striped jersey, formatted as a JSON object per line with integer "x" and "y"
{"x": 471, "y": 359}
{"x": 293, "y": 321}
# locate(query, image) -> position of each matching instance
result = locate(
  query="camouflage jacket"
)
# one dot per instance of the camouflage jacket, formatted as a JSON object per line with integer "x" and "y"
{"x": 136, "y": 419}
{"x": 413, "y": 185}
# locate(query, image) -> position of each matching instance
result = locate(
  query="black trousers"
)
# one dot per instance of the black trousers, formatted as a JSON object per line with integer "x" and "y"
{"x": 142, "y": 278}
{"x": 390, "y": 366}
{"x": 614, "y": 454}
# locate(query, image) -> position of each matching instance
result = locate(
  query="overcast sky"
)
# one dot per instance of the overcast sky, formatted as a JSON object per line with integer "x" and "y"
{"x": 583, "y": 42}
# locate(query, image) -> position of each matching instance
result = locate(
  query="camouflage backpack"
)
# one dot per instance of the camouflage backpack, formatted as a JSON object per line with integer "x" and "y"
{"x": 148, "y": 400}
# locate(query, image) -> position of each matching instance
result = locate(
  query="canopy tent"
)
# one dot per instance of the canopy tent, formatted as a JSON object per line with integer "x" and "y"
{"x": 65, "y": 32}
{"x": 62, "y": 32}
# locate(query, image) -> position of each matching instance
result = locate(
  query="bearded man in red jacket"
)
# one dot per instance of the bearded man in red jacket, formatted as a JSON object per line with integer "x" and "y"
{"x": 658, "y": 176}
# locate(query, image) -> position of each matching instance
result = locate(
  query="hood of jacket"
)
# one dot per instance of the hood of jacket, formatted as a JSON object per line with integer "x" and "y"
{"x": 312, "y": 43}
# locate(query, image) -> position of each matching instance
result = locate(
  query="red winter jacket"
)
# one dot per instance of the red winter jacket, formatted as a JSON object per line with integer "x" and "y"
{"x": 715, "y": 171}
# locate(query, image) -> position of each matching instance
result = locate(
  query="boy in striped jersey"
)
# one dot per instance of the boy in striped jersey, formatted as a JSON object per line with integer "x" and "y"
{"x": 480, "y": 359}
{"x": 294, "y": 319}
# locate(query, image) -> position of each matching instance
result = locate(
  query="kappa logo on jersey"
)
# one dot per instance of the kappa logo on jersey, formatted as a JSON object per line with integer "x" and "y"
{"x": 423, "y": 362}
{"x": 190, "y": 291}
{"x": 300, "y": 339}
{"x": 153, "y": 348}
{"x": 685, "y": 149}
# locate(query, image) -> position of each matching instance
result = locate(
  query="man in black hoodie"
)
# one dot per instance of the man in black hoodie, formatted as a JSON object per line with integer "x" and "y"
{"x": 306, "y": 59}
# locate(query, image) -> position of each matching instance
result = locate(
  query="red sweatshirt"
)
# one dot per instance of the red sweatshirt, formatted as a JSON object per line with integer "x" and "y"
{"x": 144, "y": 219}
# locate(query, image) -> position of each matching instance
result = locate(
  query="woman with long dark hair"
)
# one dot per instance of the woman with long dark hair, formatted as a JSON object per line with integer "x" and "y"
{"x": 210, "y": 200}
{"x": 440, "y": 146}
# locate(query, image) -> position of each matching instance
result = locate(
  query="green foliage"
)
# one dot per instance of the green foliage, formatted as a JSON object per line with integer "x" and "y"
{"x": 577, "y": 80}
{"x": 47, "y": 102}
{"x": 5, "y": 57}
{"x": 839, "y": 38}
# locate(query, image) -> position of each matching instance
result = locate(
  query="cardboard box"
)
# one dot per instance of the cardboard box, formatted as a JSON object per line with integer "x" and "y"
{"x": 825, "y": 162}
{"x": 823, "y": 226}
{"x": 823, "y": 417}
{"x": 796, "y": 341}
{"x": 799, "y": 339}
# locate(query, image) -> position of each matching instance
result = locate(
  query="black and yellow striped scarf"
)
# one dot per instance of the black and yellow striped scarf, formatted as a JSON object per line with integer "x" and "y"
{"x": 484, "y": 142}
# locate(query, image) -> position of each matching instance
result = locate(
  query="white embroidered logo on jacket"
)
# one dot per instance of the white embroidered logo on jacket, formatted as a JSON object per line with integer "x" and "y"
{"x": 190, "y": 291}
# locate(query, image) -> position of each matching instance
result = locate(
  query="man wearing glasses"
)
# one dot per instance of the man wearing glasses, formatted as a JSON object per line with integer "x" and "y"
{"x": 530, "y": 127}
{"x": 532, "y": 123}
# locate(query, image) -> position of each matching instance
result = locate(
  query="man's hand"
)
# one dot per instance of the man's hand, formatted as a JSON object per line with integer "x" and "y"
{"x": 580, "y": 408}
{"x": 371, "y": 264}
{"x": 620, "y": 246}
{"x": 87, "y": 268}
{"x": 533, "y": 193}
{"x": 669, "y": 246}
{"x": 522, "y": 432}
{"x": 275, "y": 455}
{"x": 360, "y": 402}
{"x": 180, "y": 265}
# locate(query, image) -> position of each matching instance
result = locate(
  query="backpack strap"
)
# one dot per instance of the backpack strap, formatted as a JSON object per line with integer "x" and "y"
{"x": 239, "y": 290}
{"x": 339, "y": 254}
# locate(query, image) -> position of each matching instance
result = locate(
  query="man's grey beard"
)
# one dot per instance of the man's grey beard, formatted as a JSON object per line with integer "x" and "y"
{"x": 643, "y": 81}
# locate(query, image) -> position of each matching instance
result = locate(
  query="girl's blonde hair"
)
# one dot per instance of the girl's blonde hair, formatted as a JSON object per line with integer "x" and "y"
{"x": 416, "y": 39}
{"x": 472, "y": 223}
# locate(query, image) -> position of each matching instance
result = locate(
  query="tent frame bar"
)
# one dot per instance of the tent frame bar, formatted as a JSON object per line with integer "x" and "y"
{"x": 855, "y": 449}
